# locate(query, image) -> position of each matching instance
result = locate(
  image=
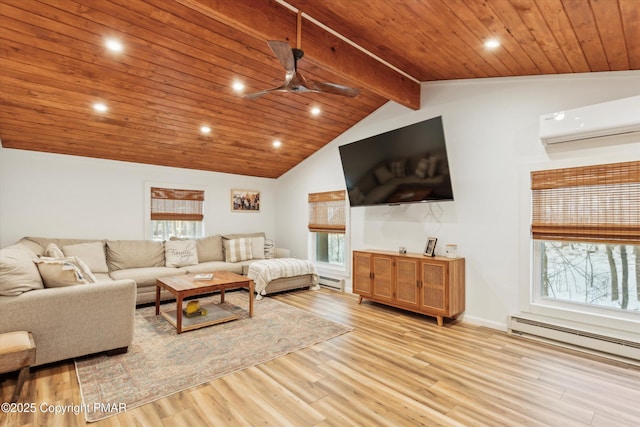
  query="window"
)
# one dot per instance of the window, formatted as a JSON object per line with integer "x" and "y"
{"x": 586, "y": 228}
{"x": 176, "y": 213}
{"x": 327, "y": 224}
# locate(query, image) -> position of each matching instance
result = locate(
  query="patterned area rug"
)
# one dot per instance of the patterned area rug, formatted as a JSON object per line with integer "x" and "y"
{"x": 160, "y": 362}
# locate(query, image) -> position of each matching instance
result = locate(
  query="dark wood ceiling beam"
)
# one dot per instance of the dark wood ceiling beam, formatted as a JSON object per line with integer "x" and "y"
{"x": 269, "y": 20}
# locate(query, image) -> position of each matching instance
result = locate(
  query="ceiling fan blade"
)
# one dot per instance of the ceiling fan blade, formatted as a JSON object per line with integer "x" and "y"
{"x": 283, "y": 52}
{"x": 334, "y": 88}
{"x": 255, "y": 95}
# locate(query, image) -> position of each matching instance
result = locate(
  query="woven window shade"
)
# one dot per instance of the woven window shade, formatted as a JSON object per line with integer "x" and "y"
{"x": 176, "y": 205}
{"x": 327, "y": 212}
{"x": 592, "y": 203}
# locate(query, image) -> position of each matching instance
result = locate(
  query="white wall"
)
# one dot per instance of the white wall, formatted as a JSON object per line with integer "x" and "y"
{"x": 56, "y": 195}
{"x": 491, "y": 129}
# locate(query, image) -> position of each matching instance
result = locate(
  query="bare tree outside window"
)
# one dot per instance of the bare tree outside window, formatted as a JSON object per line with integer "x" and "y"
{"x": 606, "y": 275}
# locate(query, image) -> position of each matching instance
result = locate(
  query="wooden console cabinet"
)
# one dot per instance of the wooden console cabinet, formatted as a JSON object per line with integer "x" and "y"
{"x": 427, "y": 285}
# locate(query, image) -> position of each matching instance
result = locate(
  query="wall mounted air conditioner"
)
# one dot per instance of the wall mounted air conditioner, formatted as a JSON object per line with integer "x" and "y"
{"x": 621, "y": 116}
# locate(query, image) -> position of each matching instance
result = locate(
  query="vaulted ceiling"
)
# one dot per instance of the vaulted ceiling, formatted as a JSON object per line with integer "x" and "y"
{"x": 180, "y": 58}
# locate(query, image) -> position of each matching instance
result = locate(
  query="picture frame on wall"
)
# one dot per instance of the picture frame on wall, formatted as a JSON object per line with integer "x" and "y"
{"x": 245, "y": 200}
{"x": 430, "y": 247}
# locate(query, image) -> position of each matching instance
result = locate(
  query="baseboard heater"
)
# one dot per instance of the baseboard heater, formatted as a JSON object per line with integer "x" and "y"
{"x": 331, "y": 282}
{"x": 575, "y": 337}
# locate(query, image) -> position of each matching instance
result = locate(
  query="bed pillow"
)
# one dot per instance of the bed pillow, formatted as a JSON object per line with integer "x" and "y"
{"x": 180, "y": 253}
{"x": 236, "y": 250}
{"x": 92, "y": 254}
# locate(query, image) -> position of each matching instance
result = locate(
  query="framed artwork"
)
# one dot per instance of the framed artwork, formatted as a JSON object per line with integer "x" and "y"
{"x": 430, "y": 248}
{"x": 245, "y": 201}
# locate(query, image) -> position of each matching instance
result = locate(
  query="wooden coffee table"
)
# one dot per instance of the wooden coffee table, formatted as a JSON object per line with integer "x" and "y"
{"x": 184, "y": 286}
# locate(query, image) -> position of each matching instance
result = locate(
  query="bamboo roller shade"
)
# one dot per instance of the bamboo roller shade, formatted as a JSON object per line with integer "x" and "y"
{"x": 598, "y": 203}
{"x": 327, "y": 212}
{"x": 176, "y": 205}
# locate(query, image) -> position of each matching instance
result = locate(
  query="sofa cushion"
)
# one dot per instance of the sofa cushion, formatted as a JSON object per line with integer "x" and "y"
{"x": 382, "y": 174}
{"x": 212, "y": 266}
{"x": 397, "y": 168}
{"x": 18, "y": 273}
{"x": 257, "y": 243}
{"x": 146, "y": 276}
{"x": 179, "y": 253}
{"x": 91, "y": 254}
{"x": 35, "y": 247}
{"x": 238, "y": 249}
{"x": 123, "y": 254}
{"x": 210, "y": 248}
{"x": 269, "y": 249}
{"x": 59, "y": 272}
{"x": 53, "y": 251}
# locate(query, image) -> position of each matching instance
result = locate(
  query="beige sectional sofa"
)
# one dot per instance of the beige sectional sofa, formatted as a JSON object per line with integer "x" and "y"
{"x": 69, "y": 321}
{"x": 66, "y": 321}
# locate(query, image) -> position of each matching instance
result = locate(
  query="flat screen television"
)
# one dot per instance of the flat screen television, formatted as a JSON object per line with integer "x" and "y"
{"x": 405, "y": 165}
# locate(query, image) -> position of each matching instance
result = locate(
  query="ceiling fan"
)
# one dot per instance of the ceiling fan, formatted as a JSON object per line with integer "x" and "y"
{"x": 294, "y": 81}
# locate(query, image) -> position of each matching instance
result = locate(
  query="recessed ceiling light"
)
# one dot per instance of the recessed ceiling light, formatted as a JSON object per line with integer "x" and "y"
{"x": 238, "y": 86}
{"x": 491, "y": 44}
{"x": 315, "y": 111}
{"x": 205, "y": 130}
{"x": 100, "y": 107}
{"x": 114, "y": 45}
{"x": 277, "y": 143}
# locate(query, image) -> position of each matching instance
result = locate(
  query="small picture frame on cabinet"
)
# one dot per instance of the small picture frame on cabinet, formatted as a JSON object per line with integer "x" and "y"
{"x": 430, "y": 247}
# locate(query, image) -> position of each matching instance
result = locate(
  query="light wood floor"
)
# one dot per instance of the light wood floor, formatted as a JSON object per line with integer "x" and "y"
{"x": 394, "y": 369}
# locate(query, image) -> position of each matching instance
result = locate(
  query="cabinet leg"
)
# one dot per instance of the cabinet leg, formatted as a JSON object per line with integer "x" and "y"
{"x": 360, "y": 300}
{"x": 440, "y": 320}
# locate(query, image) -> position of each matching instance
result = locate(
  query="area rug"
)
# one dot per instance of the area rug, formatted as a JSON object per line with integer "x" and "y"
{"x": 160, "y": 362}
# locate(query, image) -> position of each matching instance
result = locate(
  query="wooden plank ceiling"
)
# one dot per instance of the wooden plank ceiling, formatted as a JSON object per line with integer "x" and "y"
{"x": 181, "y": 57}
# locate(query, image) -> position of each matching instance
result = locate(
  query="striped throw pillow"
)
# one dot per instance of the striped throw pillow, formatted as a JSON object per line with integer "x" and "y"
{"x": 237, "y": 250}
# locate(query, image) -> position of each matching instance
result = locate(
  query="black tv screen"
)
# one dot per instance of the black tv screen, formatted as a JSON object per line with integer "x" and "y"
{"x": 405, "y": 165}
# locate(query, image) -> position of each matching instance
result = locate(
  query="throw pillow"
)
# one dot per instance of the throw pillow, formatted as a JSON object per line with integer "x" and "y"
{"x": 53, "y": 251}
{"x": 257, "y": 247}
{"x": 122, "y": 254}
{"x": 269, "y": 249}
{"x": 383, "y": 175}
{"x": 210, "y": 248}
{"x": 18, "y": 273}
{"x": 397, "y": 168}
{"x": 91, "y": 254}
{"x": 60, "y": 272}
{"x": 421, "y": 169}
{"x": 180, "y": 253}
{"x": 237, "y": 250}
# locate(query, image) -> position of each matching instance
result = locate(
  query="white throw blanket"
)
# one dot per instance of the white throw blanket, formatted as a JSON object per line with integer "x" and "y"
{"x": 264, "y": 271}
